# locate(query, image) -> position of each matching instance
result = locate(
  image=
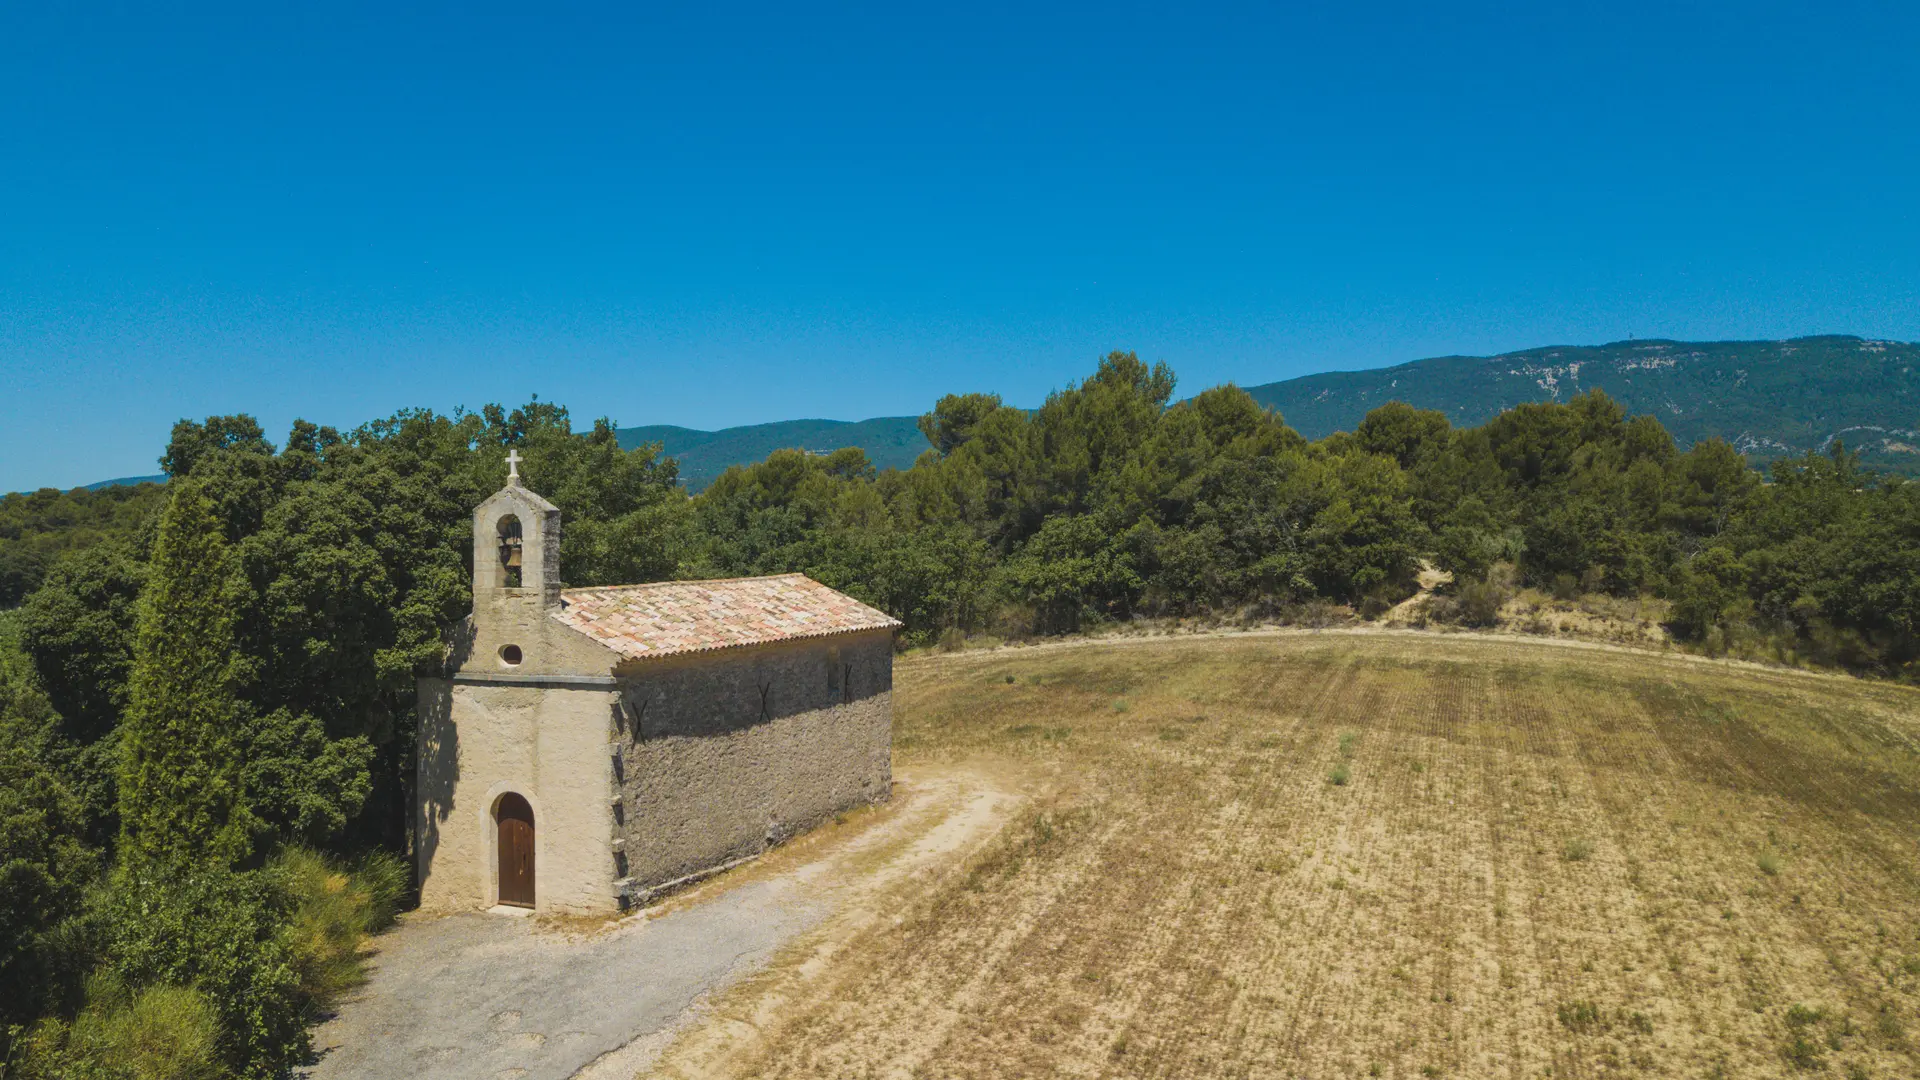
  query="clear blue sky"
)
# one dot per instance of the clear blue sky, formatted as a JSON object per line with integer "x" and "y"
{"x": 747, "y": 214}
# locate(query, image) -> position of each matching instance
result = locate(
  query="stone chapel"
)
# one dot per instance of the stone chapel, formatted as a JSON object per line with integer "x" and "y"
{"x": 588, "y": 748}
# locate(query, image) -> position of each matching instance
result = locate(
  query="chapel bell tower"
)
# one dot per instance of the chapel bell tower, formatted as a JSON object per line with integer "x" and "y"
{"x": 516, "y": 549}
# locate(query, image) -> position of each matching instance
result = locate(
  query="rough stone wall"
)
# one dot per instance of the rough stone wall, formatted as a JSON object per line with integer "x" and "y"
{"x": 728, "y": 754}
{"x": 549, "y": 744}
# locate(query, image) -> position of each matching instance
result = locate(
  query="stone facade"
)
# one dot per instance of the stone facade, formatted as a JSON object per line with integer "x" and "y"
{"x": 724, "y": 755}
{"x": 643, "y": 766}
{"x": 549, "y": 744}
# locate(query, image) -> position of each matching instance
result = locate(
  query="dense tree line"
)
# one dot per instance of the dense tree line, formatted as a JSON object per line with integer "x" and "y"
{"x": 38, "y": 528}
{"x": 206, "y": 707}
{"x": 1109, "y": 503}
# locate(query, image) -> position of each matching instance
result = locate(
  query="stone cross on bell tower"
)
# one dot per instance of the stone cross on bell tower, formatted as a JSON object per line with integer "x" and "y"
{"x": 516, "y": 545}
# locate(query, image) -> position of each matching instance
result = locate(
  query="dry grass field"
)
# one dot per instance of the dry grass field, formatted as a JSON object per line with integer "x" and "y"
{"x": 1401, "y": 856}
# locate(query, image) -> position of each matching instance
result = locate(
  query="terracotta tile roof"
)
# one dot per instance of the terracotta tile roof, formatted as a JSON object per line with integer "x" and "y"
{"x": 671, "y": 617}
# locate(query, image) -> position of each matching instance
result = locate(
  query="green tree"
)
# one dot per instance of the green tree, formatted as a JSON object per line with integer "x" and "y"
{"x": 1403, "y": 433}
{"x": 953, "y": 420}
{"x": 45, "y": 864}
{"x": 181, "y": 796}
{"x": 79, "y": 630}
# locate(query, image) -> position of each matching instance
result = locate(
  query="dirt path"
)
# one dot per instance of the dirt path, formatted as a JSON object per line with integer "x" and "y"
{"x": 1499, "y": 637}
{"x": 476, "y": 997}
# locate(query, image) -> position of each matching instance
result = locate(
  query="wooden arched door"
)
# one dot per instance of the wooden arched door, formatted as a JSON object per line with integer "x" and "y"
{"x": 515, "y": 818}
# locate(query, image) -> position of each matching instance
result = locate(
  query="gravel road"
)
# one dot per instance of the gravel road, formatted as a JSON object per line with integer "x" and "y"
{"x": 492, "y": 997}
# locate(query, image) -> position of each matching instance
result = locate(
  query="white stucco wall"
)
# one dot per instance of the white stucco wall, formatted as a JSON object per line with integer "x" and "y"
{"x": 549, "y": 744}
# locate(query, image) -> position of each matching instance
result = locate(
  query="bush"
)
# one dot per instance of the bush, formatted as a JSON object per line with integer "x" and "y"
{"x": 45, "y": 867}
{"x": 1377, "y": 602}
{"x": 224, "y": 934}
{"x": 1473, "y": 603}
{"x": 332, "y": 910}
{"x": 212, "y": 973}
{"x": 1477, "y": 603}
{"x": 387, "y": 880}
{"x": 1579, "y": 1016}
{"x": 159, "y": 1033}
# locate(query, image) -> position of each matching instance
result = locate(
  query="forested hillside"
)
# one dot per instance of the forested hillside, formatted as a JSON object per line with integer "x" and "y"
{"x": 890, "y": 442}
{"x": 1770, "y": 399}
{"x": 206, "y": 710}
{"x": 38, "y": 527}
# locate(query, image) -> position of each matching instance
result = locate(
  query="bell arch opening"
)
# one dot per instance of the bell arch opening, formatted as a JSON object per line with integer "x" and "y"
{"x": 512, "y": 546}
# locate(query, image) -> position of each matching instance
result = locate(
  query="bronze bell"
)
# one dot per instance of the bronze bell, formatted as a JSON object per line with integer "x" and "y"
{"x": 510, "y": 544}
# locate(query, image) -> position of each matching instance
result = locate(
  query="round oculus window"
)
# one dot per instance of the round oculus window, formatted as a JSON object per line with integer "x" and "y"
{"x": 510, "y": 655}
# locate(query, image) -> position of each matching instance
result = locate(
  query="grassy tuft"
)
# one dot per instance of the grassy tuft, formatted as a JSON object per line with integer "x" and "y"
{"x": 160, "y": 1033}
{"x": 334, "y": 908}
{"x": 1579, "y": 1016}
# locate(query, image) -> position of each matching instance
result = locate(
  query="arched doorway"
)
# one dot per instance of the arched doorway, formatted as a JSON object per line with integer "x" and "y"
{"x": 515, "y": 820}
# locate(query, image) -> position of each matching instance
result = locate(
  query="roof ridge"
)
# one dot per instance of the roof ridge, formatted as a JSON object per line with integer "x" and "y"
{"x": 689, "y": 581}
{"x": 663, "y": 618}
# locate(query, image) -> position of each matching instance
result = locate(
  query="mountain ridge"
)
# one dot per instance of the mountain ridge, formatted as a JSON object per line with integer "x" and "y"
{"x": 1770, "y": 399}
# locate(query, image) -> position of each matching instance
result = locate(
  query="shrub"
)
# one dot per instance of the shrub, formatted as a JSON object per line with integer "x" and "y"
{"x": 222, "y": 933}
{"x": 386, "y": 879}
{"x": 1375, "y": 603}
{"x": 1477, "y": 603}
{"x": 207, "y": 972}
{"x": 332, "y": 909}
{"x": 1578, "y": 1015}
{"x": 1473, "y": 602}
{"x": 160, "y": 1033}
{"x": 1339, "y": 776}
{"x": 1578, "y": 850}
{"x": 1803, "y": 1050}
{"x": 1802, "y": 1016}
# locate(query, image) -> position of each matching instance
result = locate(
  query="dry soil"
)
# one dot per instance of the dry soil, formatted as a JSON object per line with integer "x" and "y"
{"x": 1385, "y": 855}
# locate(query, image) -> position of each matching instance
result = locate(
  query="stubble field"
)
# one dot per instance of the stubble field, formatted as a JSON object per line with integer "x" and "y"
{"x": 1398, "y": 856}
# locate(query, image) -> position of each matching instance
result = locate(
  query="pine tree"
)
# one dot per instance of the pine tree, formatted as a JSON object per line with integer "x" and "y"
{"x": 181, "y": 765}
